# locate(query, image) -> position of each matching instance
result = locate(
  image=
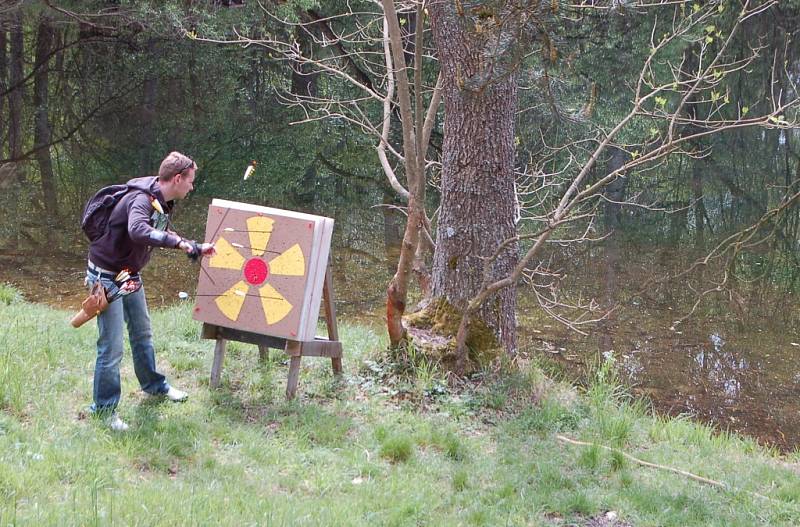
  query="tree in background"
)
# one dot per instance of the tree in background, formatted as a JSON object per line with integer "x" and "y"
{"x": 375, "y": 62}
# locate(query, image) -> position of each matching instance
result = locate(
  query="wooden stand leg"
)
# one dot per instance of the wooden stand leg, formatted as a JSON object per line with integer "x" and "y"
{"x": 336, "y": 362}
{"x": 293, "y": 349}
{"x": 330, "y": 317}
{"x": 216, "y": 367}
{"x": 263, "y": 353}
{"x": 294, "y": 376}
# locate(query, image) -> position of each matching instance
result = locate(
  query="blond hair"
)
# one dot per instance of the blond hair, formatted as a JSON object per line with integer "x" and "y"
{"x": 174, "y": 164}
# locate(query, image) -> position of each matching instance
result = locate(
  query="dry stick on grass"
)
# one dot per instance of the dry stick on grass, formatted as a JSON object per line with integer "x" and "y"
{"x": 701, "y": 479}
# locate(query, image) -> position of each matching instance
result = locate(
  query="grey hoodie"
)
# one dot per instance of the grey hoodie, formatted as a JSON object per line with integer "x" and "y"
{"x": 131, "y": 235}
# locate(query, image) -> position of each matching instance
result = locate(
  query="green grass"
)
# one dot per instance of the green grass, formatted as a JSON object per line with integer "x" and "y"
{"x": 9, "y": 295}
{"x": 353, "y": 451}
{"x": 397, "y": 448}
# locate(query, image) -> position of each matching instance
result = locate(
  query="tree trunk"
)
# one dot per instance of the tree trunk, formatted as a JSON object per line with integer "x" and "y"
{"x": 45, "y": 37}
{"x": 13, "y": 174}
{"x": 392, "y": 237}
{"x": 699, "y": 206}
{"x": 477, "y": 190}
{"x": 397, "y": 292}
{"x": 612, "y": 220}
{"x": 304, "y": 78}
{"x": 147, "y": 119}
{"x": 306, "y": 195}
{"x": 3, "y": 88}
{"x": 615, "y": 191}
{"x": 15, "y": 98}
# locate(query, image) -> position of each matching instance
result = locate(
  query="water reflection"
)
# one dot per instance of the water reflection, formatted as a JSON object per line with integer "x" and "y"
{"x": 720, "y": 368}
{"x": 732, "y": 383}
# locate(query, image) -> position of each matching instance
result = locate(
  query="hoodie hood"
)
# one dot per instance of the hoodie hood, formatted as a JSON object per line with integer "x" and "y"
{"x": 150, "y": 185}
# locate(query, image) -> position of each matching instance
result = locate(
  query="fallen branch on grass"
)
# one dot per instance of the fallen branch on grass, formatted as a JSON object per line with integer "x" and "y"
{"x": 701, "y": 479}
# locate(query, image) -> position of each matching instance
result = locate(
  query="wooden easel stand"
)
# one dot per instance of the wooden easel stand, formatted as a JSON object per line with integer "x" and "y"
{"x": 319, "y": 347}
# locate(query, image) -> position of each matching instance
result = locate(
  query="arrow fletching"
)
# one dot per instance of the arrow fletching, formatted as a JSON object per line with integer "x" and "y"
{"x": 250, "y": 169}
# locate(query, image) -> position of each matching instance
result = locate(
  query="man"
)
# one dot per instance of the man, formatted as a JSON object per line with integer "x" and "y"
{"x": 137, "y": 223}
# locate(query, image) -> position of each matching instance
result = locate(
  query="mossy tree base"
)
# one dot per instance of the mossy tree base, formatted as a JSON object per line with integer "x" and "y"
{"x": 433, "y": 329}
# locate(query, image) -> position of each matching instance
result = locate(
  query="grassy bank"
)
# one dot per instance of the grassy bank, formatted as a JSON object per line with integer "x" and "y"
{"x": 366, "y": 450}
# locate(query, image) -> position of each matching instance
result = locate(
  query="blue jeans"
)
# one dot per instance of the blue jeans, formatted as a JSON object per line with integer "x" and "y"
{"x": 131, "y": 309}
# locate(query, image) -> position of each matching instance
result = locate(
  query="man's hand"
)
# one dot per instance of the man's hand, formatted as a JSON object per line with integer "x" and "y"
{"x": 207, "y": 249}
{"x": 186, "y": 246}
{"x": 130, "y": 286}
{"x": 195, "y": 250}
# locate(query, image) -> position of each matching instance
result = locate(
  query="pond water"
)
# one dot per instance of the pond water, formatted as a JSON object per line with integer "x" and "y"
{"x": 736, "y": 367}
{"x": 746, "y": 381}
{"x": 737, "y": 374}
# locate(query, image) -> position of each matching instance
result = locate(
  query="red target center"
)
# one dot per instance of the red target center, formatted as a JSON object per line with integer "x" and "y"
{"x": 256, "y": 271}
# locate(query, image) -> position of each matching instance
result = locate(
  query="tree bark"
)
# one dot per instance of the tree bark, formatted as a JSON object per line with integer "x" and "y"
{"x": 397, "y": 292}
{"x": 477, "y": 190}
{"x": 15, "y": 98}
{"x": 3, "y": 88}
{"x": 45, "y": 38}
{"x": 391, "y": 230}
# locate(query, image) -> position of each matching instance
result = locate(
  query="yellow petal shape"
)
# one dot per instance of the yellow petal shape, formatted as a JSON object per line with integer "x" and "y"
{"x": 275, "y": 306}
{"x": 259, "y": 228}
{"x": 226, "y": 256}
{"x": 230, "y": 302}
{"x": 290, "y": 263}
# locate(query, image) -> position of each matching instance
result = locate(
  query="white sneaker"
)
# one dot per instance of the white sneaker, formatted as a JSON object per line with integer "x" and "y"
{"x": 116, "y": 424}
{"x": 176, "y": 395}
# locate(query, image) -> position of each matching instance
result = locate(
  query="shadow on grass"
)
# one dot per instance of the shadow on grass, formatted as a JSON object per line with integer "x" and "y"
{"x": 303, "y": 422}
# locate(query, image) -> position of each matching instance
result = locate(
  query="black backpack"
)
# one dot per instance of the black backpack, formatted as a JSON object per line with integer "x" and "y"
{"x": 94, "y": 221}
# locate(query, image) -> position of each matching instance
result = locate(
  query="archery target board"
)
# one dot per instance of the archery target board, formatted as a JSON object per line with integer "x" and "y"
{"x": 268, "y": 271}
